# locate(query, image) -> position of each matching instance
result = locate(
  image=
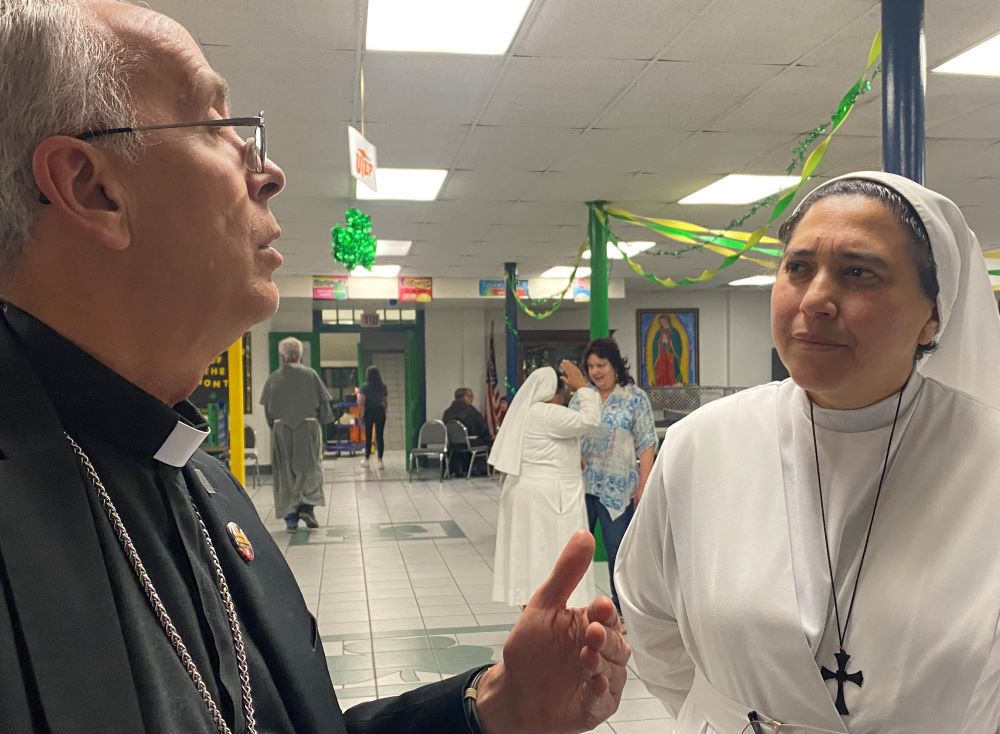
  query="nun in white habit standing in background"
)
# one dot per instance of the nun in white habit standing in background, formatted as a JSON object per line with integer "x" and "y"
{"x": 541, "y": 503}
{"x": 823, "y": 551}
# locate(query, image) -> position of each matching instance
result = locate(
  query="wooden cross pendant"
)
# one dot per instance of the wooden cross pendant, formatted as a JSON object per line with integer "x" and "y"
{"x": 842, "y": 677}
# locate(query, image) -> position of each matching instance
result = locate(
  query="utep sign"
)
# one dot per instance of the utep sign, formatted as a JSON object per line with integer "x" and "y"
{"x": 363, "y": 160}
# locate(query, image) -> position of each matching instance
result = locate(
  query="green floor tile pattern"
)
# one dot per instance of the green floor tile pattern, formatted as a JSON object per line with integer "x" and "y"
{"x": 393, "y": 556}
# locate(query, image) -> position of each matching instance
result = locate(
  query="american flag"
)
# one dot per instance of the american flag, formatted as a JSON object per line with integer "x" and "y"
{"x": 493, "y": 394}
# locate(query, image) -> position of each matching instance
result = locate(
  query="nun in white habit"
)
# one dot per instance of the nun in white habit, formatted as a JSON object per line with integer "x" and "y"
{"x": 823, "y": 551}
{"x": 541, "y": 503}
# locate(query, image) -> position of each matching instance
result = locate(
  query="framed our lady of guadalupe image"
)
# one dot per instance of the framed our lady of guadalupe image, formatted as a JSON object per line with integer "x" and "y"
{"x": 668, "y": 347}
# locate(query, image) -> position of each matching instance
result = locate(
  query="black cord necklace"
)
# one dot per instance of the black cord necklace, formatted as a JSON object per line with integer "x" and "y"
{"x": 841, "y": 675}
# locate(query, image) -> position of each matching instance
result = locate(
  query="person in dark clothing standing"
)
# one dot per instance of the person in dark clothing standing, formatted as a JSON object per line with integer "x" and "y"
{"x": 374, "y": 399}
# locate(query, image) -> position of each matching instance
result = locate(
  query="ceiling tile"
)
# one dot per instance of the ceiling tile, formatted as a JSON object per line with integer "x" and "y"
{"x": 324, "y": 94}
{"x": 679, "y": 95}
{"x": 294, "y": 24}
{"x": 621, "y": 151}
{"x": 414, "y": 146}
{"x": 557, "y": 92}
{"x": 580, "y": 28}
{"x": 492, "y": 148}
{"x": 489, "y": 185}
{"x": 771, "y": 32}
{"x": 437, "y": 89}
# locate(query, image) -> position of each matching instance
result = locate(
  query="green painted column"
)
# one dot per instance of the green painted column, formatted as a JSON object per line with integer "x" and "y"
{"x": 599, "y": 324}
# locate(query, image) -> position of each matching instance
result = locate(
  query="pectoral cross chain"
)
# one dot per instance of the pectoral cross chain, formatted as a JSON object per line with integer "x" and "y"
{"x": 842, "y": 677}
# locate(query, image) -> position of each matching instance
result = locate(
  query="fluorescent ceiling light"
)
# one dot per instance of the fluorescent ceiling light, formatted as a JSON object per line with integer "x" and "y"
{"x": 405, "y": 184}
{"x": 392, "y": 248}
{"x": 444, "y": 26}
{"x": 980, "y": 60}
{"x": 755, "y": 280}
{"x": 631, "y": 249}
{"x": 736, "y": 189}
{"x": 564, "y": 271}
{"x": 377, "y": 271}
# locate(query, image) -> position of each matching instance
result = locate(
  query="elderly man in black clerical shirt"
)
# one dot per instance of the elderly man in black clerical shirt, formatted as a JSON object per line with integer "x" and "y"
{"x": 136, "y": 244}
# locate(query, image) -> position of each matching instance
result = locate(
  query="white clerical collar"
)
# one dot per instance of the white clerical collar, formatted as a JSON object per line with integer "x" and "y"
{"x": 180, "y": 445}
{"x": 870, "y": 418}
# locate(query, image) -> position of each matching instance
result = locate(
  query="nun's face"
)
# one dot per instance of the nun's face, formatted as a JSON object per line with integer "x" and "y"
{"x": 847, "y": 310}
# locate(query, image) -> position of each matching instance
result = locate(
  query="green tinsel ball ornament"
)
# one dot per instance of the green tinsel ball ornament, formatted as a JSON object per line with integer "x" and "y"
{"x": 353, "y": 244}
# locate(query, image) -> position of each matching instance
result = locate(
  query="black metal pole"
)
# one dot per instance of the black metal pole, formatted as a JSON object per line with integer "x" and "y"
{"x": 904, "y": 68}
{"x": 513, "y": 347}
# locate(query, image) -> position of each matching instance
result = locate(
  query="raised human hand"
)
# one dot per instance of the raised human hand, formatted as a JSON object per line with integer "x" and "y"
{"x": 572, "y": 375}
{"x": 563, "y": 670}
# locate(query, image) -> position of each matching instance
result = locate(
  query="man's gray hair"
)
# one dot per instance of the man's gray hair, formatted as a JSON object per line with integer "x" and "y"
{"x": 290, "y": 349}
{"x": 59, "y": 74}
{"x": 461, "y": 392}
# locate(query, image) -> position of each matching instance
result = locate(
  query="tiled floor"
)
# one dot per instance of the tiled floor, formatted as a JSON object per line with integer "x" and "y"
{"x": 399, "y": 576}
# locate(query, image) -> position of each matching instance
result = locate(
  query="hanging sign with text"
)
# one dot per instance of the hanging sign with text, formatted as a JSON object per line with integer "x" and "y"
{"x": 329, "y": 288}
{"x": 420, "y": 290}
{"x": 497, "y": 288}
{"x": 363, "y": 161}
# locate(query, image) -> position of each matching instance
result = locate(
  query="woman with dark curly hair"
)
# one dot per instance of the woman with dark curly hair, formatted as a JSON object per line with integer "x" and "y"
{"x": 613, "y": 481}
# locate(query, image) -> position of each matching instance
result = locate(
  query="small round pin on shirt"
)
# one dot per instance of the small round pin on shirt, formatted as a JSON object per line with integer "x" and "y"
{"x": 240, "y": 541}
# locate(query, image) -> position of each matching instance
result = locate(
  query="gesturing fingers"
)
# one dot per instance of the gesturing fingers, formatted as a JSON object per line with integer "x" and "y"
{"x": 572, "y": 564}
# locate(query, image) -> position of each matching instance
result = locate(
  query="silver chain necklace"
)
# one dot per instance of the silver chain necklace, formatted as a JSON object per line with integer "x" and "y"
{"x": 173, "y": 636}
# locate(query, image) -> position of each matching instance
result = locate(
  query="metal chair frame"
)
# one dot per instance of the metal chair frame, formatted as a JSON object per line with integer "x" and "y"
{"x": 428, "y": 446}
{"x": 458, "y": 434}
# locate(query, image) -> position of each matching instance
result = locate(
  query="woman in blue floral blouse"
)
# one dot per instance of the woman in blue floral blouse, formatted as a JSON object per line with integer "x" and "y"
{"x": 612, "y": 480}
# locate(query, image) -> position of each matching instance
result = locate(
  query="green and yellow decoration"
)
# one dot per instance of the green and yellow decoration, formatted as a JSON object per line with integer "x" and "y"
{"x": 731, "y": 243}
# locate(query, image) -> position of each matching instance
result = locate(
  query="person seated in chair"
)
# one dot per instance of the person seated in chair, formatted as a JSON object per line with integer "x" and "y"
{"x": 463, "y": 411}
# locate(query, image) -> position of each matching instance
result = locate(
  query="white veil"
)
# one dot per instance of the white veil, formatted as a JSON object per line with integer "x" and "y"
{"x": 538, "y": 388}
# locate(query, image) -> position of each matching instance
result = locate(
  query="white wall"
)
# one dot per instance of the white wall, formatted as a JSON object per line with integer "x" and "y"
{"x": 455, "y": 355}
{"x": 260, "y": 369}
{"x": 734, "y": 330}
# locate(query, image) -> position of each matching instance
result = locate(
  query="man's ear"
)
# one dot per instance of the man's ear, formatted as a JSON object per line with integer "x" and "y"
{"x": 81, "y": 185}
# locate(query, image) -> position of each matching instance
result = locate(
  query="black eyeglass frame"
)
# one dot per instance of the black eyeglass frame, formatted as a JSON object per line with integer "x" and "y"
{"x": 256, "y": 145}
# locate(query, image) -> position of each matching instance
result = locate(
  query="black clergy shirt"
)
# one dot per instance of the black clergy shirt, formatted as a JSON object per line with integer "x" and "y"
{"x": 80, "y": 649}
{"x": 121, "y": 427}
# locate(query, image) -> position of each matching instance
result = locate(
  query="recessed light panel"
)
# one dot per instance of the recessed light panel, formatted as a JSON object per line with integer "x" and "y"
{"x": 444, "y": 26}
{"x": 980, "y": 60}
{"x": 564, "y": 271}
{"x": 377, "y": 271}
{"x": 735, "y": 189}
{"x": 404, "y": 184}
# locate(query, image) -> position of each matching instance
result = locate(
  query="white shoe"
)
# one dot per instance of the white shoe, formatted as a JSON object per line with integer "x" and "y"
{"x": 381, "y": 466}
{"x": 365, "y": 463}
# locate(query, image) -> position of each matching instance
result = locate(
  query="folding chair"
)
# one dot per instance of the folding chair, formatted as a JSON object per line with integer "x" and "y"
{"x": 432, "y": 443}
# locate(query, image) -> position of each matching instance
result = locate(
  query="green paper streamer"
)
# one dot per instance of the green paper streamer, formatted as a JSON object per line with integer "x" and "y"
{"x": 354, "y": 244}
{"x": 511, "y": 329}
{"x": 739, "y": 248}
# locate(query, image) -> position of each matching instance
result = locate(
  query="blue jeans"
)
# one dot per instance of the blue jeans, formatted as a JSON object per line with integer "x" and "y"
{"x": 612, "y": 531}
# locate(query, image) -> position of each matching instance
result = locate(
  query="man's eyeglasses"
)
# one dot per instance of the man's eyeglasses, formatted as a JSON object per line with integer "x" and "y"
{"x": 256, "y": 144}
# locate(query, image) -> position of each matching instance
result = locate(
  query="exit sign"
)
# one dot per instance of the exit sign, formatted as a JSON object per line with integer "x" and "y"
{"x": 369, "y": 320}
